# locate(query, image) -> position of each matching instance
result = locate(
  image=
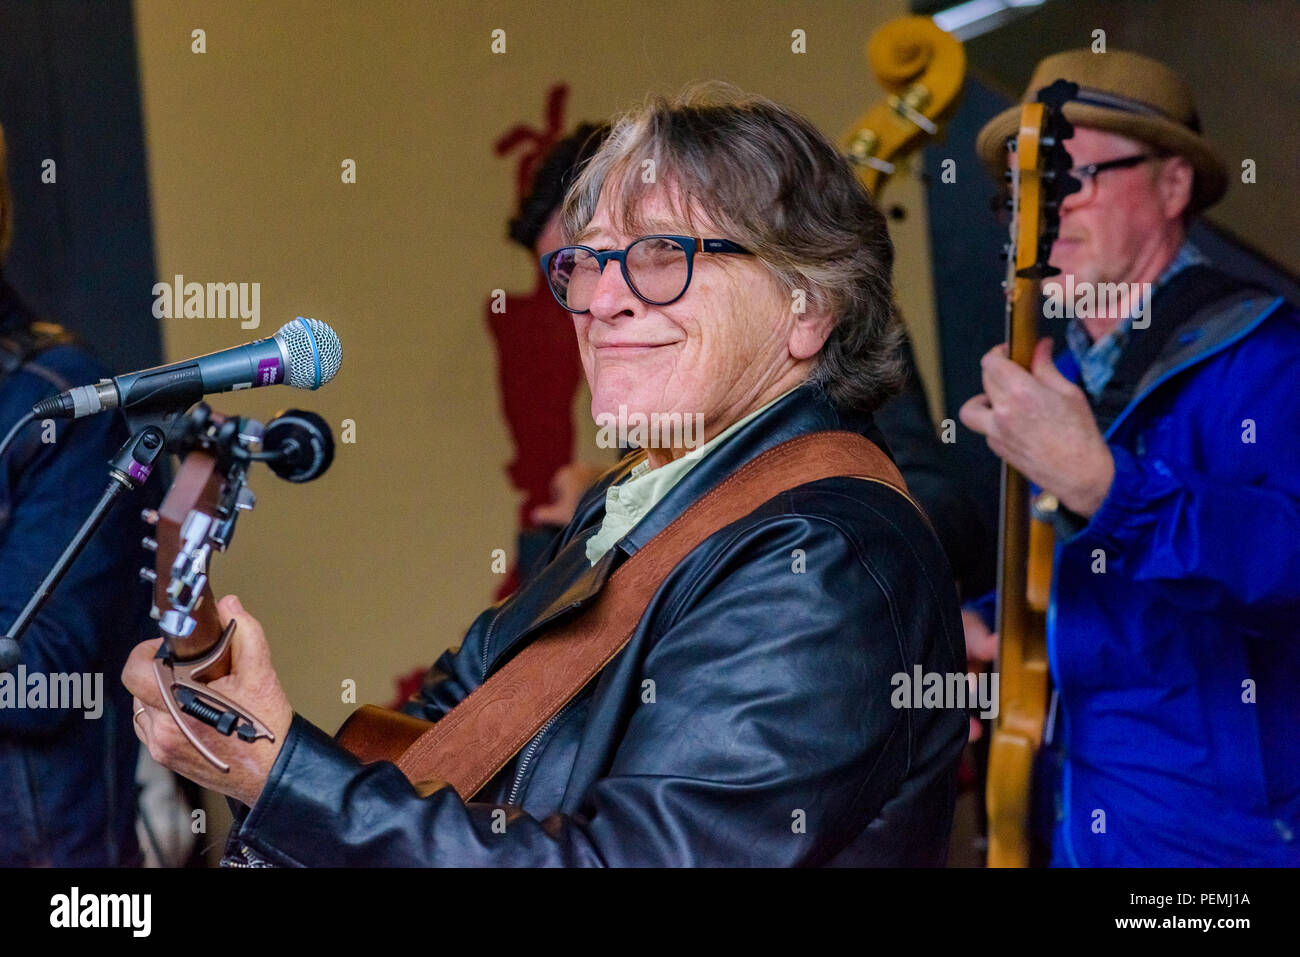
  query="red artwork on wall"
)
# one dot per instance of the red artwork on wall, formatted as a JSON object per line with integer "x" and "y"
{"x": 538, "y": 368}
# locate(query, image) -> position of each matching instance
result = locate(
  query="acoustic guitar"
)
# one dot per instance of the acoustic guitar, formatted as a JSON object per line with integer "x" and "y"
{"x": 1039, "y": 180}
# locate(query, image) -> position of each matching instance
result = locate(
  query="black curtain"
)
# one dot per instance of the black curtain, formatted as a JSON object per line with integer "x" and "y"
{"x": 82, "y": 253}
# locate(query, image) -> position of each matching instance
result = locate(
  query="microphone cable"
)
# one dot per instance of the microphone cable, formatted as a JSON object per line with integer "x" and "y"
{"x": 18, "y": 427}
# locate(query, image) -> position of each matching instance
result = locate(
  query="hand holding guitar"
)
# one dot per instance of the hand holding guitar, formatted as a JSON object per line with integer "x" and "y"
{"x": 208, "y": 704}
{"x": 252, "y": 682}
{"x": 1039, "y": 422}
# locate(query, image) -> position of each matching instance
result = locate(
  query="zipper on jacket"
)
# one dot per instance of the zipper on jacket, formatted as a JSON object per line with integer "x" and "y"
{"x": 487, "y": 638}
{"x": 531, "y": 750}
{"x": 246, "y": 858}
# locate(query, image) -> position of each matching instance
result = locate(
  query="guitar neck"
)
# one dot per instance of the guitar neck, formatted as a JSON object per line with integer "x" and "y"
{"x": 1013, "y": 541}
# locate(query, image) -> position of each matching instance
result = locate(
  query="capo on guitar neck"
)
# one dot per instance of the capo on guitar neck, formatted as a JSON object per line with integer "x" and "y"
{"x": 184, "y": 691}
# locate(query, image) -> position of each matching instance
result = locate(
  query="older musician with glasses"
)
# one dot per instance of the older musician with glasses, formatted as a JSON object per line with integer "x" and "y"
{"x": 1168, "y": 432}
{"x": 722, "y": 264}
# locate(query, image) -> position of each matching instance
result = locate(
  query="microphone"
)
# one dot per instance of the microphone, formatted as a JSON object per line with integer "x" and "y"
{"x": 304, "y": 354}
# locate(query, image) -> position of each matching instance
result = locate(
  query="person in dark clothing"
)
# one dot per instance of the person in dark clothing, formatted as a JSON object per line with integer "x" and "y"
{"x": 770, "y": 732}
{"x": 67, "y": 748}
{"x": 948, "y": 498}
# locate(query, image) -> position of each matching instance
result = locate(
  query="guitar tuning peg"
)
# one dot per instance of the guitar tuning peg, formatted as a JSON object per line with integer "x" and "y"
{"x": 154, "y": 613}
{"x": 148, "y": 575}
{"x": 150, "y": 544}
{"x": 149, "y": 516}
{"x": 250, "y": 431}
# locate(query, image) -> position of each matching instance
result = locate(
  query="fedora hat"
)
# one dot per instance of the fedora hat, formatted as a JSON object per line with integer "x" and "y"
{"x": 1123, "y": 93}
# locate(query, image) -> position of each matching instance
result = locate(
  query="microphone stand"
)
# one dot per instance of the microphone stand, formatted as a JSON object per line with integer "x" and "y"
{"x": 297, "y": 446}
{"x": 129, "y": 469}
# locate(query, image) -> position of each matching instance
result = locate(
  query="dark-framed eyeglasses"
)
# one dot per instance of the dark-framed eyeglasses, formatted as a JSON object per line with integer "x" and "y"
{"x": 657, "y": 268}
{"x": 1088, "y": 174}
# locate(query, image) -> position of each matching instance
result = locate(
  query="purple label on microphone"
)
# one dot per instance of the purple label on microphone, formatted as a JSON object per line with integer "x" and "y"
{"x": 138, "y": 472}
{"x": 270, "y": 372}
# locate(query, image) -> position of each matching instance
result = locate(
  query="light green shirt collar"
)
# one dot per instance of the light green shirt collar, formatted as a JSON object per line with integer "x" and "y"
{"x": 629, "y": 501}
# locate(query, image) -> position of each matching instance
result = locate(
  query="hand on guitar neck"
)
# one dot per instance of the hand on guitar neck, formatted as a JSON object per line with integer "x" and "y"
{"x": 1041, "y": 424}
{"x": 251, "y": 681}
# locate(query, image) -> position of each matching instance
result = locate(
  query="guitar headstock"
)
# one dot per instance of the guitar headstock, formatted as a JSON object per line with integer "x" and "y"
{"x": 1039, "y": 172}
{"x": 196, "y": 518}
{"x": 921, "y": 69}
{"x": 182, "y": 598}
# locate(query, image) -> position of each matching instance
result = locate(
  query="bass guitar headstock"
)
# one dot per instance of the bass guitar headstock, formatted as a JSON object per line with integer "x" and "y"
{"x": 1039, "y": 174}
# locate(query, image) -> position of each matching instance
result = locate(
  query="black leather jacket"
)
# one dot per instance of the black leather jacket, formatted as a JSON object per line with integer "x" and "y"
{"x": 747, "y": 722}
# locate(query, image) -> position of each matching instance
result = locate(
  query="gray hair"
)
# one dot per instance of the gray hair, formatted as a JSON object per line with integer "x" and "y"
{"x": 767, "y": 179}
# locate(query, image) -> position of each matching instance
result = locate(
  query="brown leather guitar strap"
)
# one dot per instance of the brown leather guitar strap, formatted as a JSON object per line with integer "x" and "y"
{"x": 477, "y": 738}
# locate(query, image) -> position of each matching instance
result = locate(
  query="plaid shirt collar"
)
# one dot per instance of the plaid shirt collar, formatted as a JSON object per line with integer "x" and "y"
{"x": 1097, "y": 359}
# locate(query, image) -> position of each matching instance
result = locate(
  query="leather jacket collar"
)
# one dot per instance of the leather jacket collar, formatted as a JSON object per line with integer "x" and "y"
{"x": 806, "y": 409}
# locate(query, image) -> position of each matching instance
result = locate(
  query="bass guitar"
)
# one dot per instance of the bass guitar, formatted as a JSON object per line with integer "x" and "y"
{"x": 1039, "y": 180}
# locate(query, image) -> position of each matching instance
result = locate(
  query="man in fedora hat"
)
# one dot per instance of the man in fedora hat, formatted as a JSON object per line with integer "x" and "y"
{"x": 1169, "y": 433}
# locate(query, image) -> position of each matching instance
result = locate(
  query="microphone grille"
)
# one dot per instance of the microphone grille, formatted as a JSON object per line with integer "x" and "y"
{"x": 314, "y": 353}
